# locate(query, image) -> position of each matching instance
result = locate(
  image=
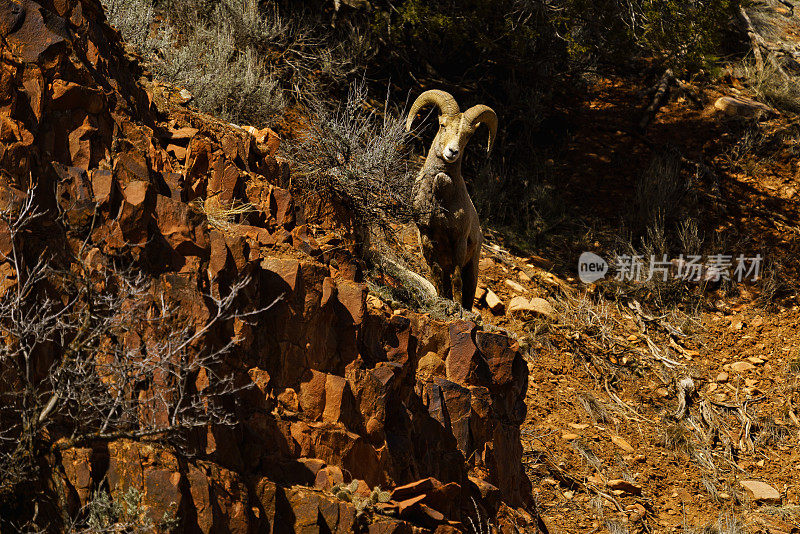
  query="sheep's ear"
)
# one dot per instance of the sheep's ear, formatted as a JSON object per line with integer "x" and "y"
{"x": 480, "y": 114}
{"x": 441, "y": 99}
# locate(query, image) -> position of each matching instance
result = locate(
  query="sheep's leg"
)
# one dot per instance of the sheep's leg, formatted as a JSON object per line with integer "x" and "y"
{"x": 445, "y": 287}
{"x": 458, "y": 284}
{"x": 469, "y": 283}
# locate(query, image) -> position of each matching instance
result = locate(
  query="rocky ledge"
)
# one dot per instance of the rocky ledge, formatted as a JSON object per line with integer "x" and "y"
{"x": 348, "y": 415}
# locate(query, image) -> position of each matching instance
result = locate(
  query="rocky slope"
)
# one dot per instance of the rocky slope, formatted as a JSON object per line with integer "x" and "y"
{"x": 332, "y": 385}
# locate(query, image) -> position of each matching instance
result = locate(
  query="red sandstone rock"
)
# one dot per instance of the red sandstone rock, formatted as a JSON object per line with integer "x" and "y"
{"x": 429, "y": 367}
{"x": 28, "y": 35}
{"x": 499, "y": 353}
{"x": 173, "y": 220}
{"x": 463, "y": 359}
{"x": 287, "y": 269}
{"x": 328, "y": 477}
{"x": 282, "y": 207}
{"x": 74, "y": 194}
{"x": 104, "y": 188}
{"x": 67, "y": 96}
{"x": 302, "y": 241}
{"x": 390, "y": 526}
{"x": 225, "y": 181}
{"x": 488, "y": 492}
{"x": 312, "y": 394}
{"x": 136, "y": 211}
{"x": 319, "y": 512}
{"x": 419, "y": 487}
{"x": 353, "y": 297}
{"x": 183, "y": 135}
{"x": 267, "y": 494}
{"x": 77, "y": 468}
{"x": 457, "y": 402}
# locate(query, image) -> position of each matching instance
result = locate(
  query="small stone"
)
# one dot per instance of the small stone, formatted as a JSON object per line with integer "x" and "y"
{"x": 185, "y": 96}
{"x": 622, "y": 444}
{"x": 569, "y": 436}
{"x": 638, "y": 512}
{"x": 543, "y": 308}
{"x": 742, "y": 107}
{"x": 374, "y": 303}
{"x": 579, "y": 426}
{"x": 519, "y": 304}
{"x": 515, "y": 286}
{"x": 742, "y": 367}
{"x": 523, "y": 277}
{"x": 722, "y": 377}
{"x": 755, "y": 360}
{"x": 480, "y": 293}
{"x": 624, "y": 486}
{"x": 761, "y": 491}
{"x": 494, "y": 302}
{"x": 178, "y": 151}
{"x": 289, "y": 400}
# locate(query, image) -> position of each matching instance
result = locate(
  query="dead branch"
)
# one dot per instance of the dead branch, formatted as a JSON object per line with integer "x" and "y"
{"x": 123, "y": 362}
{"x": 758, "y": 43}
{"x": 686, "y": 391}
{"x": 661, "y": 93}
{"x": 660, "y": 98}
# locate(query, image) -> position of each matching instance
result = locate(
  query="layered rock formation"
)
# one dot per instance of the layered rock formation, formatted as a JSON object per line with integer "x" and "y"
{"x": 331, "y": 387}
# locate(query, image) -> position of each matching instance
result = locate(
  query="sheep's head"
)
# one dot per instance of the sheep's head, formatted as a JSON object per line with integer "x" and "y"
{"x": 455, "y": 128}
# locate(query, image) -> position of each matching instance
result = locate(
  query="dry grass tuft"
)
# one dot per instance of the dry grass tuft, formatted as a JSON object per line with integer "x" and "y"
{"x": 677, "y": 438}
{"x": 223, "y": 218}
{"x": 772, "y": 88}
{"x": 583, "y": 315}
{"x": 593, "y": 407}
{"x": 724, "y": 525}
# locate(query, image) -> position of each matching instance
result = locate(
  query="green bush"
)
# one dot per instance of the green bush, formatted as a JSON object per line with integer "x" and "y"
{"x": 453, "y": 37}
{"x": 684, "y": 33}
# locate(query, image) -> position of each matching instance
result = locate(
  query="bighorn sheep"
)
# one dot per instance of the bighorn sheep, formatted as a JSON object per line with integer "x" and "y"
{"x": 449, "y": 230}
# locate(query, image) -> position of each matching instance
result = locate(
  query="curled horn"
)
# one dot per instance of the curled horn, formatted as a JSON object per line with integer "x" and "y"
{"x": 441, "y": 99}
{"x": 476, "y": 115}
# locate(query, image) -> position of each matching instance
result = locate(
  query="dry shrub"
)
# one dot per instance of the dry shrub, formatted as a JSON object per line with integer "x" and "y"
{"x": 357, "y": 156}
{"x": 771, "y": 87}
{"x": 232, "y": 83}
{"x": 133, "y": 18}
{"x": 215, "y": 54}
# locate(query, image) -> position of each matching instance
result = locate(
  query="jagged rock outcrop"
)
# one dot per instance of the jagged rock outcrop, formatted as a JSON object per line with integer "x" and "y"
{"x": 329, "y": 387}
